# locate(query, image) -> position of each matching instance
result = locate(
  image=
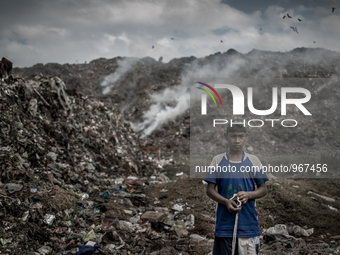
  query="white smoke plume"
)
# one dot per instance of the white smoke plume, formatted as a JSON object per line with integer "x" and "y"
{"x": 161, "y": 110}
{"x": 175, "y": 101}
{"x": 124, "y": 65}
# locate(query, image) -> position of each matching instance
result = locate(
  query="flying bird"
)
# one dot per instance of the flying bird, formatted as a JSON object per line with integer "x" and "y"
{"x": 153, "y": 46}
{"x": 333, "y": 9}
{"x": 284, "y": 16}
{"x": 295, "y": 29}
{"x": 299, "y": 19}
{"x": 288, "y": 16}
{"x": 314, "y": 42}
{"x": 221, "y": 41}
{"x": 172, "y": 38}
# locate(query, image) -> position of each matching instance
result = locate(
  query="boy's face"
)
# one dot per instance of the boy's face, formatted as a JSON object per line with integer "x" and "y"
{"x": 236, "y": 140}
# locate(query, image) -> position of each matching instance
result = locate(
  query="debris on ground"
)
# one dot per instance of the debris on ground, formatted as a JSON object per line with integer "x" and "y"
{"x": 73, "y": 177}
{"x": 76, "y": 179}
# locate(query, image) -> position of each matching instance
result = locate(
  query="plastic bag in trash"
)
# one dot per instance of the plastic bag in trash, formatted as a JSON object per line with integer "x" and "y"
{"x": 278, "y": 232}
{"x": 90, "y": 236}
{"x": 87, "y": 250}
{"x": 278, "y": 229}
{"x": 297, "y": 231}
{"x": 45, "y": 250}
{"x": 12, "y": 187}
{"x": 106, "y": 194}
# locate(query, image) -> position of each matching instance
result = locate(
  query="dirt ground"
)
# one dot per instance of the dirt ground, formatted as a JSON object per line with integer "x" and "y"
{"x": 287, "y": 201}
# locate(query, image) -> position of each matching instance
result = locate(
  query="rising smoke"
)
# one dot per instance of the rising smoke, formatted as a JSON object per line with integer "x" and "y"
{"x": 168, "y": 104}
{"x": 124, "y": 65}
{"x": 175, "y": 101}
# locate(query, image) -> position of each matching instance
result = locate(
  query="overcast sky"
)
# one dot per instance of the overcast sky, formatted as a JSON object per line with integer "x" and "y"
{"x": 75, "y": 31}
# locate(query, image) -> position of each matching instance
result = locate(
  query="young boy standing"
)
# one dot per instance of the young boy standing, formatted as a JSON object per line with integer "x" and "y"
{"x": 238, "y": 177}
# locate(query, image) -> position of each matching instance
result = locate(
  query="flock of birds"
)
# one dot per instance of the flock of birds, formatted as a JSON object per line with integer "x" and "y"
{"x": 294, "y": 28}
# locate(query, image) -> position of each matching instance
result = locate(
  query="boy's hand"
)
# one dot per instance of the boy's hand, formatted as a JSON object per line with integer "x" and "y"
{"x": 232, "y": 206}
{"x": 244, "y": 196}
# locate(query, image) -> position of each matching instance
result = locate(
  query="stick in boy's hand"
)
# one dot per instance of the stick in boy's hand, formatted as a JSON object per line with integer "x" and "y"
{"x": 243, "y": 196}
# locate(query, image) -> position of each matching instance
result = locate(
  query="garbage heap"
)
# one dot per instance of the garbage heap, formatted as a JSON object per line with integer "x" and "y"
{"x": 72, "y": 176}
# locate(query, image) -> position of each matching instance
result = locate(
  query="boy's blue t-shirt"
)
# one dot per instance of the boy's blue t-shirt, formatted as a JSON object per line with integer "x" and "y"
{"x": 230, "y": 178}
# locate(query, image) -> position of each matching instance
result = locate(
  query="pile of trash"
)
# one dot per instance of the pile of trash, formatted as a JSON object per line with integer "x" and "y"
{"x": 153, "y": 77}
{"x": 291, "y": 239}
{"x": 285, "y": 234}
{"x": 72, "y": 176}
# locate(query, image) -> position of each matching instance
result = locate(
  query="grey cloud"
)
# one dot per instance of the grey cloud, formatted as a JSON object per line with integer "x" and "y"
{"x": 63, "y": 31}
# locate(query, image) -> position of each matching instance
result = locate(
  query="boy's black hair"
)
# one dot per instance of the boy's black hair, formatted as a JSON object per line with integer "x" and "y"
{"x": 236, "y": 125}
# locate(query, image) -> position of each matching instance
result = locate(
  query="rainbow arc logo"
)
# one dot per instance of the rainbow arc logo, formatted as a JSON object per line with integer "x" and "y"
{"x": 207, "y": 91}
{"x": 204, "y": 99}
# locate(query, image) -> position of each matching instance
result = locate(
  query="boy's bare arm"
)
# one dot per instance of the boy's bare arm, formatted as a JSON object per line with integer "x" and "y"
{"x": 261, "y": 191}
{"x": 214, "y": 195}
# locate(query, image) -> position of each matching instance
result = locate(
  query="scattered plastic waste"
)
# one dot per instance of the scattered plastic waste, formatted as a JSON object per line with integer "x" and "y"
{"x": 49, "y": 218}
{"x": 34, "y": 190}
{"x": 87, "y": 250}
{"x": 90, "y": 236}
{"x": 106, "y": 194}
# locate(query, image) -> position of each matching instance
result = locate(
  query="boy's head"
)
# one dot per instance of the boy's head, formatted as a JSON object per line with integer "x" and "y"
{"x": 236, "y": 135}
{"x": 236, "y": 125}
